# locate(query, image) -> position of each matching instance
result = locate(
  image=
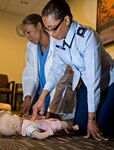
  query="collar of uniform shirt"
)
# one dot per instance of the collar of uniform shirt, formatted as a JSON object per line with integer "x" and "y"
{"x": 64, "y": 43}
{"x": 59, "y": 44}
{"x": 69, "y": 46}
{"x": 70, "y": 35}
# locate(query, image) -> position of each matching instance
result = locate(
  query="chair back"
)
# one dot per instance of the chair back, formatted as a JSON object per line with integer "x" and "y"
{"x": 3, "y": 81}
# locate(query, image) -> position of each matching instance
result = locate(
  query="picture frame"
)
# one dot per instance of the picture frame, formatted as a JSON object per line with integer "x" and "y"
{"x": 105, "y": 21}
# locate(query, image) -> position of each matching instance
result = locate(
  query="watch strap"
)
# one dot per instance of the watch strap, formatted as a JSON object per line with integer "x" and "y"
{"x": 93, "y": 118}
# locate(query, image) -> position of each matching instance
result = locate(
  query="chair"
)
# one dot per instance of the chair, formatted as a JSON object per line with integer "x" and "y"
{"x": 18, "y": 92}
{"x": 7, "y": 88}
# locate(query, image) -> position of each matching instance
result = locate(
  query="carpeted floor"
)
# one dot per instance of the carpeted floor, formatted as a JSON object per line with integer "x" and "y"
{"x": 59, "y": 141}
{"x": 56, "y": 142}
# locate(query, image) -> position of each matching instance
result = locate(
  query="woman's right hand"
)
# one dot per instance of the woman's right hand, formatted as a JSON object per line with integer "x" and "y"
{"x": 25, "y": 106}
{"x": 39, "y": 106}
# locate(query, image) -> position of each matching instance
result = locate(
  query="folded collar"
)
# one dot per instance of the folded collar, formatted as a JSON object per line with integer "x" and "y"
{"x": 68, "y": 39}
{"x": 70, "y": 35}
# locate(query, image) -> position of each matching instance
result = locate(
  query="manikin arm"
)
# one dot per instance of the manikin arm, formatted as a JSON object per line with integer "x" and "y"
{"x": 42, "y": 135}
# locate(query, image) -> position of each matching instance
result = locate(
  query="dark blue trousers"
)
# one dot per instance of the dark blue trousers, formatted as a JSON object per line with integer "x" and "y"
{"x": 105, "y": 111}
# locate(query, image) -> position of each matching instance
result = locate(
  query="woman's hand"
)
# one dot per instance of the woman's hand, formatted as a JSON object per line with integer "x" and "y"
{"x": 25, "y": 106}
{"x": 94, "y": 130}
{"x": 39, "y": 106}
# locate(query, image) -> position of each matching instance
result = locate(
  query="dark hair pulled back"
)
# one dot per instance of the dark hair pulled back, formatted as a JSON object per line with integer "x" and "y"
{"x": 32, "y": 19}
{"x": 58, "y": 8}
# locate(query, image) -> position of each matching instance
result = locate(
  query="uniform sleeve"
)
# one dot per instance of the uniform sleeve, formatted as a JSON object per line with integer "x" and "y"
{"x": 92, "y": 59}
{"x": 28, "y": 74}
{"x": 56, "y": 72}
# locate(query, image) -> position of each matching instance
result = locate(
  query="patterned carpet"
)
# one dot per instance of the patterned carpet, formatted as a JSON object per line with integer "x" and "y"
{"x": 56, "y": 142}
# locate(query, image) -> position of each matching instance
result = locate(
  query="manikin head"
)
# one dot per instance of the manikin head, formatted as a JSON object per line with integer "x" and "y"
{"x": 10, "y": 124}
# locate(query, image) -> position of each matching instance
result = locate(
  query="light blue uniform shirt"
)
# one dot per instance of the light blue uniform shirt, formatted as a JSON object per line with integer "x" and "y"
{"x": 82, "y": 49}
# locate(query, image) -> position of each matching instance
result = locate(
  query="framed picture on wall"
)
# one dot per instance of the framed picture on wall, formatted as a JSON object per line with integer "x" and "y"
{"x": 105, "y": 20}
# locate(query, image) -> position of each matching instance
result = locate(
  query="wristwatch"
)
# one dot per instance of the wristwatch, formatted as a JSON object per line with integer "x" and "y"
{"x": 93, "y": 118}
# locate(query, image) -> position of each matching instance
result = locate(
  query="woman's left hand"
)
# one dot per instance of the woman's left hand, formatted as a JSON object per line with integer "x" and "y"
{"x": 93, "y": 129}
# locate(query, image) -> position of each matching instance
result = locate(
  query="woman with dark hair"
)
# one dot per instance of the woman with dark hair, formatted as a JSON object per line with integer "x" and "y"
{"x": 39, "y": 59}
{"x": 81, "y": 48}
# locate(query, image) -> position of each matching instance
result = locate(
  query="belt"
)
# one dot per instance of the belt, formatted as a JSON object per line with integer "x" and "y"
{"x": 80, "y": 83}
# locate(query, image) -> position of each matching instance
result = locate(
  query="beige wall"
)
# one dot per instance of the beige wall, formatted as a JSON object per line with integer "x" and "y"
{"x": 84, "y": 12}
{"x": 12, "y": 47}
{"x": 110, "y": 49}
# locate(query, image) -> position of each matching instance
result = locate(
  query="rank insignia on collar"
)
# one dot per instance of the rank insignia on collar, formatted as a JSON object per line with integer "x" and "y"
{"x": 60, "y": 47}
{"x": 81, "y": 31}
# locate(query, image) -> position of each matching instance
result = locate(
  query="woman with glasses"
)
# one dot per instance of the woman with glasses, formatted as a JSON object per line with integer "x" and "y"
{"x": 39, "y": 59}
{"x": 81, "y": 48}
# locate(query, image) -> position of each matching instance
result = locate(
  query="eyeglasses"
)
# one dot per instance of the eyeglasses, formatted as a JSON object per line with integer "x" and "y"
{"x": 55, "y": 28}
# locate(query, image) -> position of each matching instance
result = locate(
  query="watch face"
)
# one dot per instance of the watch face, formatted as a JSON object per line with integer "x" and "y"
{"x": 19, "y": 31}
